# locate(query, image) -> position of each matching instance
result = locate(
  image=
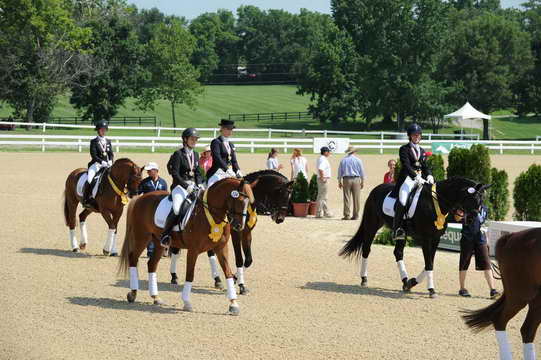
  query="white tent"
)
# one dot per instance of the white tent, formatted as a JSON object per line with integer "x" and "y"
{"x": 467, "y": 112}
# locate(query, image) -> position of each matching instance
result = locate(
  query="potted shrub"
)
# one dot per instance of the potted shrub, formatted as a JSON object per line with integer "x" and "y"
{"x": 300, "y": 197}
{"x": 312, "y": 188}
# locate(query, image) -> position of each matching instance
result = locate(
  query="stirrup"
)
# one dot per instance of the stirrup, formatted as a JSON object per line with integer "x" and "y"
{"x": 165, "y": 240}
{"x": 399, "y": 234}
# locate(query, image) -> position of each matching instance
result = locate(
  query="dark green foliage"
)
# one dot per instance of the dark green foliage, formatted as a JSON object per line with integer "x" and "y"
{"x": 313, "y": 187}
{"x": 473, "y": 164}
{"x": 385, "y": 237}
{"x": 301, "y": 193}
{"x": 527, "y": 194}
{"x": 435, "y": 164}
{"x": 498, "y": 195}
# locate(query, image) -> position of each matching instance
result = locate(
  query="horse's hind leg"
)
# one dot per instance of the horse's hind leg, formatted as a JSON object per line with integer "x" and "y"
{"x": 222, "y": 253}
{"x": 140, "y": 242}
{"x": 399, "y": 258}
{"x": 152, "y": 275}
{"x": 369, "y": 232}
{"x": 82, "y": 225}
{"x": 529, "y": 327}
{"x": 191, "y": 259}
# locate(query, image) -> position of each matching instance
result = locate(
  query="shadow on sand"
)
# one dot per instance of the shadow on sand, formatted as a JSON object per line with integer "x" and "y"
{"x": 163, "y": 286}
{"x": 54, "y": 252}
{"x": 356, "y": 289}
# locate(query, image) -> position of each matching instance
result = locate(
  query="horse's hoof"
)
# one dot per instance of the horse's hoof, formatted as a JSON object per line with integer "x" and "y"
{"x": 218, "y": 283}
{"x": 187, "y": 307}
{"x": 105, "y": 252}
{"x": 174, "y": 279}
{"x": 158, "y": 301}
{"x": 432, "y": 293}
{"x": 131, "y": 296}
{"x": 82, "y": 247}
{"x": 405, "y": 285}
{"x": 113, "y": 254}
{"x": 364, "y": 281}
{"x": 243, "y": 290}
{"x": 75, "y": 250}
{"x": 234, "y": 310}
{"x": 411, "y": 283}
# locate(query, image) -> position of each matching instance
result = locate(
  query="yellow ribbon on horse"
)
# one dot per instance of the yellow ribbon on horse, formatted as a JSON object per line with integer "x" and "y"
{"x": 440, "y": 217}
{"x": 252, "y": 220}
{"x": 122, "y": 194}
{"x": 216, "y": 230}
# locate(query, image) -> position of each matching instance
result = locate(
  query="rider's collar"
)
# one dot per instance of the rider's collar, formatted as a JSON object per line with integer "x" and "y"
{"x": 224, "y": 138}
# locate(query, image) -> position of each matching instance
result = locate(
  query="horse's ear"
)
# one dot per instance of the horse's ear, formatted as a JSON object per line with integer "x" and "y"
{"x": 254, "y": 183}
{"x": 289, "y": 185}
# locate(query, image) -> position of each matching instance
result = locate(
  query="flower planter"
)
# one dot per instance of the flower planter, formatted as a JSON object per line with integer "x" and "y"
{"x": 300, "y": 209}
{"x": 312, "y": 210}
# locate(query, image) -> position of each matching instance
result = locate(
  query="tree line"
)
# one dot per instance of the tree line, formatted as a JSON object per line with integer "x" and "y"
{"x": 394, "y": 60}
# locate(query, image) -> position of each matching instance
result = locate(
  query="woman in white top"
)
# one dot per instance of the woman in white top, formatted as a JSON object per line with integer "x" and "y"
{"x": 272, "y": 161}
{"x": 298, "y": 164}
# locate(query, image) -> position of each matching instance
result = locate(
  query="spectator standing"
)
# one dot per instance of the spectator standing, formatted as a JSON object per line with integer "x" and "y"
{"x": 323, "y": 175}
{"x": 205, "y": 161}
{"x": 272, "y": 160}
{"x": 351, "y": 177}
{"x": 388, "y": 178}
{"x": 298, "y": 164}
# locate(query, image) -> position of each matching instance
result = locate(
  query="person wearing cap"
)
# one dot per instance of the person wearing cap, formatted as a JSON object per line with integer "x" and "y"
{"x": 101, "y": 152}
{"x": 224, "y": 157}
{"x": 184, "y": 168}
{"x": 323, "y": 175}
{"x": 153, "y": 182}
{"x": 351, "y": 180}
{"x": 413, "y": 171}
{"x": 205, "y": 161}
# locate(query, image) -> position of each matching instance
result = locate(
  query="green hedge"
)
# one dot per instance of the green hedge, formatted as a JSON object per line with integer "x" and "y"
{"x": 498, "y": 195}
{"x": 300, "y": 194}
{"x": 385, "y": 237}
{"x": 527, "y": 194}
{"x": 312, "y": 187}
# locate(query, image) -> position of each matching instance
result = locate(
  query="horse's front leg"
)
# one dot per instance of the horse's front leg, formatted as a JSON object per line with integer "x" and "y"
{"x": 108, "y": 217}
{"x": 236, "y": 238}
{"x": 222, "y": 253}
{"x": 82, "y": 225}
{"x": 190, "y": 270}
{"x": 213, "y": 262}
{"x": 429, "y": 252}
{"x": 399, "y": 258}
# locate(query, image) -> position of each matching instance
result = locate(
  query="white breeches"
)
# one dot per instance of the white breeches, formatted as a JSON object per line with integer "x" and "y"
{"x": 219, "y": 175}
{"x": 178, "y": 194}
{"x": 92, "y": 170}
{"x": 405, "y": 190}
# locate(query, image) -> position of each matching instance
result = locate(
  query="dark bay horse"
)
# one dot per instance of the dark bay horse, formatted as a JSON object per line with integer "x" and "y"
{"x": 272, "y": 193}
{"x": 519, "y": 260}
{"x": 426, "y": 227}
{"x": 222, "y": 206}
{"x": 118, "y": 182}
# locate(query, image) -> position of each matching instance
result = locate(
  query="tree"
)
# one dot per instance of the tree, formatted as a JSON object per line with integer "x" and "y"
{"x": 173, "y": 77}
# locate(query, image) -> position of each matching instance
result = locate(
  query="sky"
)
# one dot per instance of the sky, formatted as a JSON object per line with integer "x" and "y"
{"x": 191, "y": 9}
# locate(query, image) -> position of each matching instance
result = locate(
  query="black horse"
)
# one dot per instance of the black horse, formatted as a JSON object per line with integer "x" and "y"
{"x": 455, "y": 195}
{"x": 272, "y": 194}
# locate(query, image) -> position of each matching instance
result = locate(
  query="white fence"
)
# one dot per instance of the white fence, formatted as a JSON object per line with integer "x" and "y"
{"x": 79, "y": 142}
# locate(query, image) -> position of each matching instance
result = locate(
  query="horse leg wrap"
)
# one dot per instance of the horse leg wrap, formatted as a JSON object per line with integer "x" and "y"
{"x": 430, "y": 279}
{"x": 113, "y": 244}
{"x": 73, "y": 239}
{"x": 84, "y": 232}
{"x": 529, "y": 351}
{"x": 186, "y": 291}
{"x": 231, "y": 292}
{"x": 109, "y": 242}
{"x": 402, "y": 269}
{"x": 421, "y": 277}
{"x": 364, "y": 267}
{"x": 173, "y": 265}
{"x": 153, "y": 284}
{"x": 503, "y": 343}
{"x": 240, "y": 275}
{"x": 213, "y": 260}
{"x": 134, "y": 278}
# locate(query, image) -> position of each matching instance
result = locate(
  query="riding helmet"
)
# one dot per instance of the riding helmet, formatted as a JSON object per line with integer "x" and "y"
{"x": 190, "y": 132}
{"x": 102, "y": 124}
{"x": 414, "y": 129}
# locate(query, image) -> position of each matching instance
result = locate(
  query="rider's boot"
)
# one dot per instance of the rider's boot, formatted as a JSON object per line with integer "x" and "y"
{"x": 87, "y": 197}
{"x": 398, "y": 230}
{"x": 170, "y": 222}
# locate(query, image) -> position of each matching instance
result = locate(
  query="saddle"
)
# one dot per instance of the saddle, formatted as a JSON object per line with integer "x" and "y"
{"x": 390, "y": 201}
{"x": 165, "y": 206}
{"x": 82, "y": 184}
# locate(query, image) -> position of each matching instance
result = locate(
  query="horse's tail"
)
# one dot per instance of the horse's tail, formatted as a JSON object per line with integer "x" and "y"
{"x": 353, "y": 248}
{"x": 482, "y": 318}
{"x": 124, "y": 261}
{"x": 66, "y": 208}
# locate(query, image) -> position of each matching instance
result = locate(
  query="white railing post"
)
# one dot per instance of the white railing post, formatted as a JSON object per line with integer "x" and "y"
{"x": 325, "y": 133}
{"x": 381, "y": 146}
{"x": 153, "y": 143}
{"x": 252, "y": 147}
{"x": 42, "y": 144}
{"x": 270, "y": 133}
{"x": 159, "y": 131}
{"x": 429, "y": 136}
{"x": 44, "y": 126}
{"x": 285, "y": 146}
{"x": 117, "y": 147}
{"x": 214, "y": 133}
{"x": 80, "y": 145}
{"x": 501, "y": 148}
{"x": 531, "y": 152}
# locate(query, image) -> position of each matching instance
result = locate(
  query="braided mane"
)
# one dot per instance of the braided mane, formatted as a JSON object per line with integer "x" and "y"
{"x": 255, "y": 175}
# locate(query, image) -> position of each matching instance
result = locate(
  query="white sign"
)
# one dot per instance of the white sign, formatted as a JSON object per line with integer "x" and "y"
{"x": 497, "y": 229}
{"x": 336, "y": 145}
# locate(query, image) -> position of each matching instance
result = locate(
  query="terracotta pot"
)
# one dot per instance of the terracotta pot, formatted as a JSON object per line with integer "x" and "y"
{"x": 300, "y": 209}
{"x": 312, "y": 210}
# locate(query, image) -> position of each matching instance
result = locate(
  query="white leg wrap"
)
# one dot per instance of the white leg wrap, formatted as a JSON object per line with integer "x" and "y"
{"x": 109, "y": 242}
{"x": 240, "y": 275}
{"x": 173, "y": 265}
{"x": 503, "y": 343}
{"x": 73, "y": 239}
{"x": 213, "y": 260}
{"x": 529, "y": 351}
{"x": 186, "y": 291}
{"x": 113, "y": 243}
{"x": 231, "y": 291}
{"x": 134, "y": 278}
{"x": 364, "y": 267}
{"x": 430, "y": 279}
{"x": 84, "y": 232}
{"x": 421, "y": 277}
{"x": 153, "y": 284}
{"x": 402, "y": 269}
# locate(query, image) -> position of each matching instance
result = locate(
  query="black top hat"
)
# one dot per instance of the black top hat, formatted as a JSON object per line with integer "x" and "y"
{"x": 229, "y": 124}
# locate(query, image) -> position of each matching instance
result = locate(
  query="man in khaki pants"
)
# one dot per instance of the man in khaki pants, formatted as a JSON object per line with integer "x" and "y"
{"x": 323, "y": 175}
{"x": 351, "y": 180}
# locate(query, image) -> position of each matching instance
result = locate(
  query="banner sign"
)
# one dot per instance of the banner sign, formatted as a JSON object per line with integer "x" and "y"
{"x": 445, "y": 147}
{"x": 451, "y": 239}
{"x": 337, "y": 145}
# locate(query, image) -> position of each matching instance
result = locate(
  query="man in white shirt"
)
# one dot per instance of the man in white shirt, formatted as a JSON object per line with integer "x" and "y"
{"x": 323, "y": 175}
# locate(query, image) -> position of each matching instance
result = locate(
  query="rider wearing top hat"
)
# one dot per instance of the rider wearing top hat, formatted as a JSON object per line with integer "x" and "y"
{"x": 184, "y": 168}
{"x": 414, "y": 170}
{"x": 102, "y": 155}
{"x": 224, "y": 158}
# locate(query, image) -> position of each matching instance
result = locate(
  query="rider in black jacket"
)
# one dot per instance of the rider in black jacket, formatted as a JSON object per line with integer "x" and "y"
{"x": 224, "y": 157}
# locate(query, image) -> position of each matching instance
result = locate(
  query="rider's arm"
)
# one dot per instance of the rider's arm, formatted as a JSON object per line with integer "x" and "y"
{"x": 405, "y": 161}
{"x": 94, "y": 151}
{"x": 110, "y": 151}
{"x": 175, "y": 170}
{"x": 197, "y": 171}
{"x": 216, "y": 152}
{"x": 234, "y": 162}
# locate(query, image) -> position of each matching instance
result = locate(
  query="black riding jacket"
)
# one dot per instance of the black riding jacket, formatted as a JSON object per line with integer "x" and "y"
{"x": 98, "y": 153}
{"x": 179, "y": 168}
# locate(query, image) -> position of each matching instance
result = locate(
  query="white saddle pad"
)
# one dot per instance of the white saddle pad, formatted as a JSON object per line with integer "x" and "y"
{"x": 388, "y": 204}
{"x": 163, "y": 209}
{"x": 81, "y": 183}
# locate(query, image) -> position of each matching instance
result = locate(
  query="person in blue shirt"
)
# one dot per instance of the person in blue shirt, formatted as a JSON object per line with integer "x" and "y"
{"x": 351, "y": 180}
{"x": 474, "y": 242}
{"x": 152, "y": 183}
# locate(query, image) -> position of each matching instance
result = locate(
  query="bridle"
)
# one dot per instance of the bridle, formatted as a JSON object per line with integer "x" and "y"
{"x": 229, "y": 210}
{"x": 449, "y": 204}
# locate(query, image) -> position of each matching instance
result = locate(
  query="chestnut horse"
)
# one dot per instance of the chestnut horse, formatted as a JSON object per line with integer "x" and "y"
{"x": 519, "y": 259}
{"x": 208, "y": 229}
{"x": 111, "y": 198}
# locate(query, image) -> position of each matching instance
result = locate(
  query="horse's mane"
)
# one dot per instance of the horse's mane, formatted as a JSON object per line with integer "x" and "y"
{"x": 256, "y": 174}
{"x": 123, "y": 160}
{"x": 461, "y": 179}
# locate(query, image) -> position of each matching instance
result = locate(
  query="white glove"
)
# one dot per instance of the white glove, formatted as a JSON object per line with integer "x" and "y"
{"x": 104, "y": 163}
{"x": 202, "y": 186}
{"x": 430, "y": 179}
{"x": 110, "y": 162}
{"x": 190, "y": 188}
{"x": 230, "y": 173}
{"x": 419, "y": 180}
{"x": 239, "y": 174}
